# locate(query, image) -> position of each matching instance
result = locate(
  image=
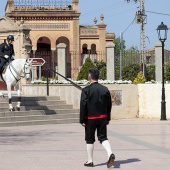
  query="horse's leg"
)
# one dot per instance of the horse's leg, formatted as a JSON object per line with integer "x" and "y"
{"x": 1, "y": 95}
{"x": 19, "y": 96}
{"x": 10, "y": 97}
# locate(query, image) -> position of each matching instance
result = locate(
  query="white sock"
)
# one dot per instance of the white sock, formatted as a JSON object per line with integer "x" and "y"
{"x": 18, "y": 105}
{"x": 10, "y": 106}
{"x": 107, "y": 147}
{"x": 90, "y": 148}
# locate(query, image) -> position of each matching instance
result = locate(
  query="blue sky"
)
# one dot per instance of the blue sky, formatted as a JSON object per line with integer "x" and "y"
{"x": 119, "y": 14}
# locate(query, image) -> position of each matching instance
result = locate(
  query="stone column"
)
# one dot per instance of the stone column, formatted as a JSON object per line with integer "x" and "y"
{"x": 76, "y": 47}
{"x": 102, "y": 38}
{"x": 158, "y": 61}
{"x": 53, "y": 53}
{"x": 72, "y": 65}
{"x": 26, "y": 47}
{"x": 61, "y": 53}
{"x": 110, "y": 61}
{"x": 34, "y": 71}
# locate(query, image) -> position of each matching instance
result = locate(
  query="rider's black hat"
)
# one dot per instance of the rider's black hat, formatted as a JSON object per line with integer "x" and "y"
{"x": 10, "y": 37}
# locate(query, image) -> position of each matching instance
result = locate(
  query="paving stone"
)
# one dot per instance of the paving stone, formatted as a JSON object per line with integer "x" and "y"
{"x": 138, "y": 145}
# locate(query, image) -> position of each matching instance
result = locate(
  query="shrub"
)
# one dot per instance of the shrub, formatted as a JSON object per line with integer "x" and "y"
{"x": 83, "y": 74}
{"x": 103, "y": 73}
{"x": 43, "y": 78}
{"x": 150, "y": 72}
{"x": 140, "y": 78}
{"x": 167, "y": 73}
{"x": 56, "y": 77}
{"x": 117, "y": 72}
{"x": 130, "y": 72}
{"x": 101, "y": 66}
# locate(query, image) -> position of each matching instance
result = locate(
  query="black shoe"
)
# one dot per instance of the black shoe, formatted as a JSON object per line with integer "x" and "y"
{"x": 111, "y": 160}
{"x": 89, "y": 164}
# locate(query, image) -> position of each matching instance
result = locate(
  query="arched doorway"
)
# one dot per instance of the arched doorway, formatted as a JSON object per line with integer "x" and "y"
{"x": 93, "y": 53}
{"x": 84, "y": 54}
{"x": 84, "y": 49}
{"x": 93, "y": 49}
{"x": 66, "y": 41}
{"x": 44, "y": 51}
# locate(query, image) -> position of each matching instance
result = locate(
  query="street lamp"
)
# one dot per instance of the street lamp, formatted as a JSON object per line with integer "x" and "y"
{"x": 162, "y": 35}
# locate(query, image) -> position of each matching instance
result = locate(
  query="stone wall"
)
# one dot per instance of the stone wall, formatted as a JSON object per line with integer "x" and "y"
{"x": 143, "y": 100}
{"x": 150, "y": 100}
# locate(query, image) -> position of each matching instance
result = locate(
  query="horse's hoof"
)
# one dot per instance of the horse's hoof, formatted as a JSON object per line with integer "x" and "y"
{"x": 12, "y": 109}
{"x": 17, "y": 108}
{"x": 2, "y": 96}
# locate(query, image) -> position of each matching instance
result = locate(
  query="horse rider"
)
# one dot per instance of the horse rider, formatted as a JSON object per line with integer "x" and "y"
{"x": 6, "y": 52}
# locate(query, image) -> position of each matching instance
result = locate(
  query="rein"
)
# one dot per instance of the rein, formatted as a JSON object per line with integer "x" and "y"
{"x": 15, "y": 72}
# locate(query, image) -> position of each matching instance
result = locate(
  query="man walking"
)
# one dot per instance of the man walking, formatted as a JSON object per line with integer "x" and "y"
{"x": 95, "y": 109}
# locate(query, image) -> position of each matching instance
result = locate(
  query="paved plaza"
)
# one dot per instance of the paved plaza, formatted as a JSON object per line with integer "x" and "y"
{"x": 138, "y": 145}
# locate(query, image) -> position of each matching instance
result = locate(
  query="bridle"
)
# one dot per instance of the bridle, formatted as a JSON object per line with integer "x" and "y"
{"x": 10, "y": 65}
{"x": 24, "y": 70}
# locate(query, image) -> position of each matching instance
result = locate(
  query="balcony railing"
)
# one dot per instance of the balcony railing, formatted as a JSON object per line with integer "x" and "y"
{"x": 42, "y": 3}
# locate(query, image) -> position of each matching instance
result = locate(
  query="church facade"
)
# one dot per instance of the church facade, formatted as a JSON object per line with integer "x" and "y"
{"x": 57, "y": 21}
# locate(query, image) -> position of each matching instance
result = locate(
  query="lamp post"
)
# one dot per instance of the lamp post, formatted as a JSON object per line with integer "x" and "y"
{"x": 162, "y": 35}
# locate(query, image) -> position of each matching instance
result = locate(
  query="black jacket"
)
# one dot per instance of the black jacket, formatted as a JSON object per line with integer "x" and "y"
{"x": 6, "y": 49}
{"x": 95, "y": 100}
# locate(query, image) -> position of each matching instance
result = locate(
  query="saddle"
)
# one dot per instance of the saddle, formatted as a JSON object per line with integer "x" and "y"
{"x": 3, "y": 70}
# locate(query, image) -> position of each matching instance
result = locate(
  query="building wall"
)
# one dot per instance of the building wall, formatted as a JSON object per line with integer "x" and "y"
{"x": 51, "y": 33}
{"x": 42, "y": 20}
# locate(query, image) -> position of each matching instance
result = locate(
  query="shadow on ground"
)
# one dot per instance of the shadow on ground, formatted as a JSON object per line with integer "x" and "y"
{"x": 16, "y": 137}
{"x": 118, "y": 163}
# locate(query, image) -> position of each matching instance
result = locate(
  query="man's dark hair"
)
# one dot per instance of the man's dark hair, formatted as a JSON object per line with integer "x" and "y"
{"x": 94, "y": 73}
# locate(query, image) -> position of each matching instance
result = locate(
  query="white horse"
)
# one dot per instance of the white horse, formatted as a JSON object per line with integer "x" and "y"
{"x": 12, "y": 76}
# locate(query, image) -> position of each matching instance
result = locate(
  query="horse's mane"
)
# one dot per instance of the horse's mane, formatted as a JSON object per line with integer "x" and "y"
{"x": 18, "y": 59}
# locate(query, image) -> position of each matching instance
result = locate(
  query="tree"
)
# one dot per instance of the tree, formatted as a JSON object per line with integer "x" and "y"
{"x": 167, "y": 73}
{"x": 133, "y": 49}
{"x": 150, "y": 72}
{"x": 130, "y": 72}
{"x": 117, "y": 45}
{"x": 101, "y": 66}
{"x": 83, "y": 74}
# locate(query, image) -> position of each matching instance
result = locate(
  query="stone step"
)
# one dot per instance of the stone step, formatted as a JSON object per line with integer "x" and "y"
{"x": 48, "y": 107}
{"x": 34, "y": 103}
{"x": 39, "y": 122}
{"x": 31, "y": 98}
{"x": 38, "y": 112}
{"x": 38, "y": 117}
